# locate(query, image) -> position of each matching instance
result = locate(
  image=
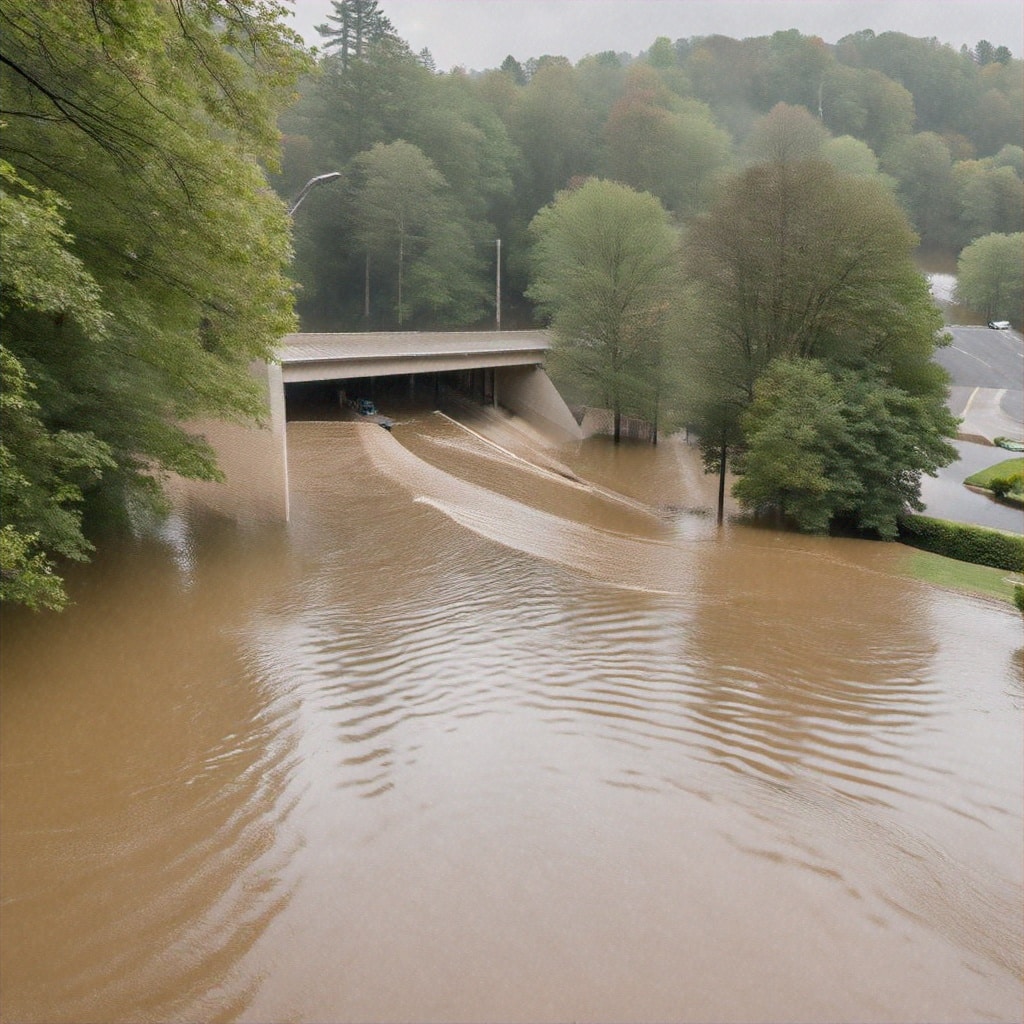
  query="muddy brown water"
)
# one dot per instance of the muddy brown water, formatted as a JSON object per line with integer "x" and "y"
{"x": 476, "y": 739}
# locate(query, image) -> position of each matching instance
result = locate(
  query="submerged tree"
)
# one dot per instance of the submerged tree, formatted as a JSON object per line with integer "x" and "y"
{"x": 604, "y": 272}
{"x": 797, "y": 261}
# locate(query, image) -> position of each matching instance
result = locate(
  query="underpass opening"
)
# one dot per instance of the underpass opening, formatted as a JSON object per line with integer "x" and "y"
{"x": 395, "y": 396}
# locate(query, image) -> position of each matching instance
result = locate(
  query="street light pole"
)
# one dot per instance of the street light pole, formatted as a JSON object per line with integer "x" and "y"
{"x": 275, "y": 382}
{"x": 310, "y": 185}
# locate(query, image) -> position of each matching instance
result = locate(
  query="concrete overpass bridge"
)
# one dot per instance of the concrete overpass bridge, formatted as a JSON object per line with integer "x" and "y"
{"x": 307, "y": 357}
{"x": 494, "y": 367}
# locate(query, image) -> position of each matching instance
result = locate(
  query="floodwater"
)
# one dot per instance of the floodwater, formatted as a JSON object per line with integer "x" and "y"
{"x": 473, "y": 738}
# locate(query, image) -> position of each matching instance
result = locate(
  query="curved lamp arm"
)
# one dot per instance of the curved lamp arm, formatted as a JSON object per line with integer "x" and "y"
{"x": 310, "y": 185}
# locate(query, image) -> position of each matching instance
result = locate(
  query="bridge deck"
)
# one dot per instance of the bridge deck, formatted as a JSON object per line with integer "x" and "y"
{"x": 322, "y": 356}
{"x": 297, "y": 348}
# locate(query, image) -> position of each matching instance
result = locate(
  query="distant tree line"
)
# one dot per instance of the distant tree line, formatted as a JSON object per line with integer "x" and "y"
{"x": 941, "y": 127}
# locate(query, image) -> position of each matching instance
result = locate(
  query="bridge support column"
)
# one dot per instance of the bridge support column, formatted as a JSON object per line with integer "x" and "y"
{"x": 254, "y": 460}
{"x": 278, "y": 427}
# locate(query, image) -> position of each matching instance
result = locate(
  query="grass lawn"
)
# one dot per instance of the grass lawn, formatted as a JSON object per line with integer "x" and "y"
{"x": 963, "y": 576}
{"x": 1006, "y": 468}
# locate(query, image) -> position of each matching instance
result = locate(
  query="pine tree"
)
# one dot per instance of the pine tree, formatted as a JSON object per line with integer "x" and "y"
{"x": 359, "y": 24}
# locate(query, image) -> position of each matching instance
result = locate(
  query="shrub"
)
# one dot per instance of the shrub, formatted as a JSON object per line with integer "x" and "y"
{"x": 964, "y": 542}
{"x": 1000, "y": 486}
{"x": 1018, "y": 598}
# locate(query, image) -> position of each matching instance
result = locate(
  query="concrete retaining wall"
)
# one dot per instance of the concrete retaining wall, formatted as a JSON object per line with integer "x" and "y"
{"x": 528, "y": 392}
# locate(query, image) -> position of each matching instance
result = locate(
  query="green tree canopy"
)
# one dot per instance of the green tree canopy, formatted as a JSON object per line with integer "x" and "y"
{"x": 989, "y": 277}
{"x": 838, "y": 447}
{"x": 42, "y": 471}
{"x": 786, "y": 134}
{"x": 148, "y": 121}
{"x": 991, "y": 198}
{"x": 604, "y": 272}
{"x": 866, "y": 104}
{"x": 923, "y": 167}
{"x": 851, "y": 156}
{"x": 555, "y": 135}
{"x": 655, "y": 142}
{"x": 414, "y": 236}
{"x": 796, "y": 261}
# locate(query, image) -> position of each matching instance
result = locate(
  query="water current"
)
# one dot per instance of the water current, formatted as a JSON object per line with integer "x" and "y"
{"x": 479, "y": 737}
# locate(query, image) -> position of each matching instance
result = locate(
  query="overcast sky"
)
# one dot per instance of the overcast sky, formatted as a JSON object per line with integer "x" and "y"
{"x": 477, "y": 34}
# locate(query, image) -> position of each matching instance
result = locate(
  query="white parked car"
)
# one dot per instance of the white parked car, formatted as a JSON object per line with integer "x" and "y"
{"x": 999, "y": 325}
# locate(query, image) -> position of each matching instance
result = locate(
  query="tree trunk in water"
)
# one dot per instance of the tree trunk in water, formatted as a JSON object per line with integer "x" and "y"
{"x": 617, "y": 428}
{"x": 721, "y": 483}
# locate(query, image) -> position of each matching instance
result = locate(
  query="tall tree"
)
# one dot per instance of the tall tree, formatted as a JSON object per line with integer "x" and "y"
{"x": 511, "y": 67}
{"x": 604, "y": 272}
{"x": 797, "y": 261}
{"x": 353, "y": 28}
{"x": 658, "y": 143}
{"x": 149, "y": 122}
{"x": 417, "y": 246}
{"x": 989, "y": 279}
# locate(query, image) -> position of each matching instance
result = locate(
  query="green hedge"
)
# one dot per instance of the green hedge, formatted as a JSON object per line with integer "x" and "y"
{"x": 964, "y": 542}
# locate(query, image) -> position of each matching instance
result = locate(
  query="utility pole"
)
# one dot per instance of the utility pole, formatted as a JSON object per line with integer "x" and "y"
{"x": 497, "y": 285}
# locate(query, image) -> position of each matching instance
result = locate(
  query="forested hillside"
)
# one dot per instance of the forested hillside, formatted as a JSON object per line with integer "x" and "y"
{"x": 437, "y": 166}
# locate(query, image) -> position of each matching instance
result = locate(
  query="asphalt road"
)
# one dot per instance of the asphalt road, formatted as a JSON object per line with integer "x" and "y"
{"x": 946, "y": 497}
{"x": 987, "y": 368}
{"x": 987, "y": 393}
{"x": 983, "y": 358}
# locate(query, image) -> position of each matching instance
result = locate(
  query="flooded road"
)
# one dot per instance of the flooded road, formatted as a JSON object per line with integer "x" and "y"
{"x": 473, "y": 738}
